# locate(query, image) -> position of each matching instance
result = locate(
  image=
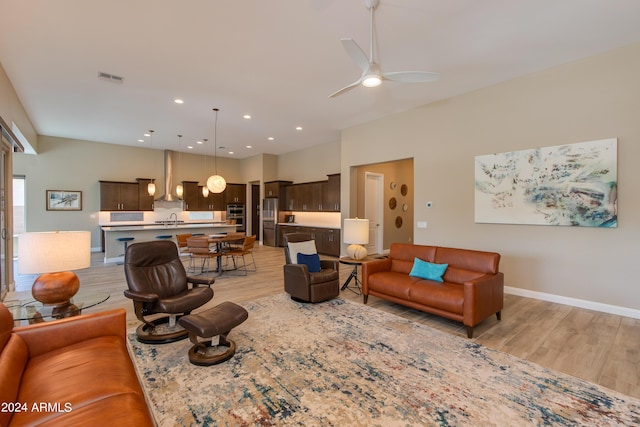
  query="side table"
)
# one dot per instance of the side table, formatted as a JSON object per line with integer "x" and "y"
{"x": 28, "y": 309}
{"x": 354, "y": 273}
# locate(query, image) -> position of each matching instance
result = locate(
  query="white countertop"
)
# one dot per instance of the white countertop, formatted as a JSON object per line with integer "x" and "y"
{"x": 297, "y": 224}
{"x": 164, "y": 227}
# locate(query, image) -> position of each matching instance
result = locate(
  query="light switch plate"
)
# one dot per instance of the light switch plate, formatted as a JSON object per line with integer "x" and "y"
{"x": 422, "y": 224}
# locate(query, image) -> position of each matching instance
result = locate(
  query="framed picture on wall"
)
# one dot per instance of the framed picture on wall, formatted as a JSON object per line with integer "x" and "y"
{"x": 64, "y": 200}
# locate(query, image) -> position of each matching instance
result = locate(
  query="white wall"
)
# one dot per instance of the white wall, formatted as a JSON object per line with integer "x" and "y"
{"x": 587, "y": 100}
{"x": 312, "y": 164}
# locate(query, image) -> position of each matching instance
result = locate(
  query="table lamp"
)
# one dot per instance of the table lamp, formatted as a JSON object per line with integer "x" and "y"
{"x": 355, "y": 234}
{"x": 51, "y": 254}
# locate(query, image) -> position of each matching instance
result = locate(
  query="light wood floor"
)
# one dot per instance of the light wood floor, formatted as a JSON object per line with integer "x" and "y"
{"x": 598, "y": 347}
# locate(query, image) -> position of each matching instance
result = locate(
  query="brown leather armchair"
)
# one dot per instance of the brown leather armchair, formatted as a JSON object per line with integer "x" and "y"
{"x": 158, "y": 283}
{"x": 304, "y": 286}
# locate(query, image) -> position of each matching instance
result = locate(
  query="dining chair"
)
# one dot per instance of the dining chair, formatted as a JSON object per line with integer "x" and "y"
{"x": 199, "y": 250}
{"x": 246, "y": 249}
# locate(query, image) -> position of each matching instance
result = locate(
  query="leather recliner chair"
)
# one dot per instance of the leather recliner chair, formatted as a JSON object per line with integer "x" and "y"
{"x": 304, "y": 286}
{"x": 158, "y": 283}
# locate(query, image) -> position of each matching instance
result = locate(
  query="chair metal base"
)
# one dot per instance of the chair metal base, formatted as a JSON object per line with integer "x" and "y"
{"x": 206, "y": 354}
{"x": 145, "y": 333}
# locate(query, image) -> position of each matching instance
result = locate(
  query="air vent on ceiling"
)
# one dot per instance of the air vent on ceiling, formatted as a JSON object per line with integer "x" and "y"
{"x": 110, "y": 77}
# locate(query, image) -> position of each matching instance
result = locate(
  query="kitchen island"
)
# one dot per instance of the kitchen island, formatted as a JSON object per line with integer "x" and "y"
{"x": 114, "y": 250}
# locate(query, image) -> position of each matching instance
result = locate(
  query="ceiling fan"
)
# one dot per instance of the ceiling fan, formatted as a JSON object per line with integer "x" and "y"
{"x": 372, "y": 75}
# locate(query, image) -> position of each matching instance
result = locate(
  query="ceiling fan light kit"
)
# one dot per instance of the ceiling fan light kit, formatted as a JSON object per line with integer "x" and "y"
{"x": 372, "y": 76}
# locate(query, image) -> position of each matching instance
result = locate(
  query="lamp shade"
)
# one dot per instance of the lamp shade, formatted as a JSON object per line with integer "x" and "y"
{"x": 53, "y": 251}
{"x": 356, "y": 231}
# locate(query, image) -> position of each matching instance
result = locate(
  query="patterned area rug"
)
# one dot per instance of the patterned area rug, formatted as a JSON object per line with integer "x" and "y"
{"x": 342, "y": 363}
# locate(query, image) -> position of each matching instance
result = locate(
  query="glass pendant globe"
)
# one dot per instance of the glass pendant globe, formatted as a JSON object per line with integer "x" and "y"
{"x": 216, "y": 184}
{"x": 179, "y": 190}
{"x": 151, "y": 188}
{"x": 205, "y": 191}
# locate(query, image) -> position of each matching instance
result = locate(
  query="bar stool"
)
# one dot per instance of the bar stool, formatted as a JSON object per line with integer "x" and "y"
{"x": 124, "y": 240}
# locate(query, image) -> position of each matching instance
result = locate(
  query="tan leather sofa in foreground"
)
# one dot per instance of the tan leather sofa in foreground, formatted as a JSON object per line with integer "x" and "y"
{"x": 70, "y": 372}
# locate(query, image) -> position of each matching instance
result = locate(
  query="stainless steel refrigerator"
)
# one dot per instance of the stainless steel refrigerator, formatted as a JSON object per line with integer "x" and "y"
{"x": 270, "y": 222}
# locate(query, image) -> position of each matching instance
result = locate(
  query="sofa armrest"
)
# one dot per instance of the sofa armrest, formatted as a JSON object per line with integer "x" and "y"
{"x": 483, "y": 297}
{"x": 200, "y": 280}
{"x": 368, "y": 268}
{"x": 45, "y": 337}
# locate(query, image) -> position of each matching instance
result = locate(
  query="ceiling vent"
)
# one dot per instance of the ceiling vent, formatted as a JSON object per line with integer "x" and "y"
{"x": 110, "y": 77}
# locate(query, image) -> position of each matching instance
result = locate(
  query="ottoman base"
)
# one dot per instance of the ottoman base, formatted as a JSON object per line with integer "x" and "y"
{"x": 215, "y": 322}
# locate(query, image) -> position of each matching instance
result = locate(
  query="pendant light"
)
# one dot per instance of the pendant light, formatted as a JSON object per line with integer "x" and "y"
{"x": 216, "y": 183}
{"x": 179, "y": 187}
{"x": 151, "y": 187}
{"x": 205, "y": 189}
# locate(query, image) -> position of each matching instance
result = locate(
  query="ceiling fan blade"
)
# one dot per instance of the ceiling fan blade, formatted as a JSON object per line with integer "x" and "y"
{"x": 412, "y": 76}
{"x": 345, "y": 89}
{"x": 355, "y": 52}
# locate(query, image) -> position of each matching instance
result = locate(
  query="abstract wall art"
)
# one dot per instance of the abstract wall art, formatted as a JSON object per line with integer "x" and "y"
{"x": 573, "y": 185}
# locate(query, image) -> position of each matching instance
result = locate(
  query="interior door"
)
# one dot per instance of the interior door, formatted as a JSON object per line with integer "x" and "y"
{"x": 374, "y": 210}
{"x": 255, "y": 212}
{"x": 5, "y": 229}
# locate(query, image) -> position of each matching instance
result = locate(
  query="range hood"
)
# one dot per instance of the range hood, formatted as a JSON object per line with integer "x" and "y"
{"x": 168, "y": 200}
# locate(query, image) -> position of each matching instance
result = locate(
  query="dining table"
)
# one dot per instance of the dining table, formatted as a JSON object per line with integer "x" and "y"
{"x": 221, "y": 242}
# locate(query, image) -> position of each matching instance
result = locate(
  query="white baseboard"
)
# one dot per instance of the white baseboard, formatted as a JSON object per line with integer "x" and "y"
{"x": 575, "y": 302}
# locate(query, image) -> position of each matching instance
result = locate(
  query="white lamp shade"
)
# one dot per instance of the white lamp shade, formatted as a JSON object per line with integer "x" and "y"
{"x": 151, "y": 188}
{"x": 356, "y": 231}
{"x": 205, "y": 191}
{"x": 179, "y": 190}
{"x": 216, "y": 184}
{"x": 53, "y": 251}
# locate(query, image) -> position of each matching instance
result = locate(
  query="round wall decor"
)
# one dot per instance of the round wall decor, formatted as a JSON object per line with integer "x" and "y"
{"x": 392, "y": 185}
{"x": 404, "y": 189}
{"x": 392, "y": 203}
{"x": 398, "y": 221}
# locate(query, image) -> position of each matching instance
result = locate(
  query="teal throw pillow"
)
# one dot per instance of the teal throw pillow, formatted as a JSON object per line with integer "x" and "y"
{"x": 428, "y": 270}
{"x": 312, "y": 261}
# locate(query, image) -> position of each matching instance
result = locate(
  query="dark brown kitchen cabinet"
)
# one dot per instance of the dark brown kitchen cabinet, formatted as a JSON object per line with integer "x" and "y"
{"x": 194, "y": 200}
{"x": 304, "y": 197}
{"x": 235, "y": 193}
{"x": 320, "y": 196}
{"x": 215, "y": 202}
{"x": 331, "y": 194}
{"x": 327, "y": 239}
{"x": 145, "y": 201}
{"x": 190, "y": 196}
{"x": 277, "y": 189}
{"x": 119, "y": 196}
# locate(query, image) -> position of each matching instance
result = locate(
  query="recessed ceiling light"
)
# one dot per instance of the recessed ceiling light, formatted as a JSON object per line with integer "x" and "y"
{"x": 147, "y": 135}
{"x": 270, "y": 138}
{"x": 247, "y": 116}
{"x": 141, "y": 140}
{"x": 178, "y": 101}
{"x": 231, "y": 152}
{"x": 190, "y": 147}
{"x": 249, "y": 146}
{"x": 299, "y": 128}
{"x": 199, "y": 142}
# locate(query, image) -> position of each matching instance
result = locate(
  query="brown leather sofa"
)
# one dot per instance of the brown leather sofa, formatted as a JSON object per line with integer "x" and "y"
{"x": 70, "y": 372}
{"x": 472, "y": 290}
